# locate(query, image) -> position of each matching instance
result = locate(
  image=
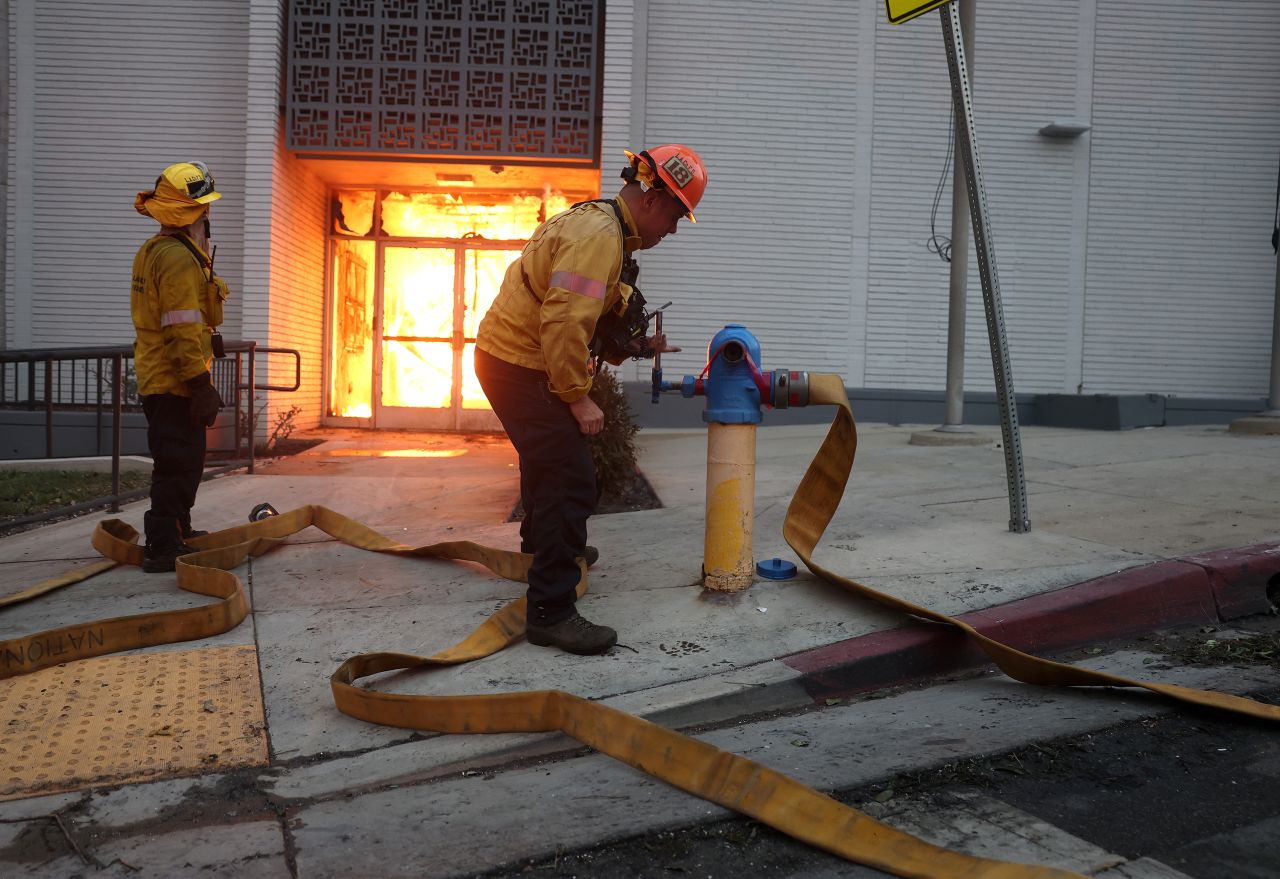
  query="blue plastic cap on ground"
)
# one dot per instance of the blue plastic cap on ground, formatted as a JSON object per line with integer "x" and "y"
{"x": 776, "y": 569}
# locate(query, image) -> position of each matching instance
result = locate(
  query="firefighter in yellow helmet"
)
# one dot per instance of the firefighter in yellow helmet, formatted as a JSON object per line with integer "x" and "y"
{"x": 177, "y": 306}
{"x": 568, "y": 299}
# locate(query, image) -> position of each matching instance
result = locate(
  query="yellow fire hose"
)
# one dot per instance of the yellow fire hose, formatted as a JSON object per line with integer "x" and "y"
{"x": 717, "y": 776}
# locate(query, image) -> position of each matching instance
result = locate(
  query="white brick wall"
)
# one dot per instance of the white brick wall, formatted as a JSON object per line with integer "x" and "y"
{"x": 1181, "y": 275}
{"x": 297, "y": 288}
{"x": 1133, "y": 259}
{"x": 103, "y": 97}
{"x": 765, "y": 93}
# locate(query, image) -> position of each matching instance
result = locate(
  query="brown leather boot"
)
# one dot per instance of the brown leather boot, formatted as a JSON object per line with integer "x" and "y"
{"x": 573, "y": 635}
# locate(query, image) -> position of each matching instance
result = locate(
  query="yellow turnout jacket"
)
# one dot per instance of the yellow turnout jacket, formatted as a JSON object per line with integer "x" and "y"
{"x": 176, "y": 303}
{"x": 553, "y": 294}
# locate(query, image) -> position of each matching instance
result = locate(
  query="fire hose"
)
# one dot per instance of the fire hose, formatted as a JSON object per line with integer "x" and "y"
{"x": 683, "y": 762}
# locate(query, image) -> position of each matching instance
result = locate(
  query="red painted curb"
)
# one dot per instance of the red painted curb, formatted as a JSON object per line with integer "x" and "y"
{"x": 1240, "y": 577}
{"x": 1126, "y": 603}
{"x": 1204, "y": 588}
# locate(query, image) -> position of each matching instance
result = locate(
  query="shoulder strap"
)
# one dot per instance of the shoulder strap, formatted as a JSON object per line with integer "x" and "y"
{"x": 630, "y": 270}
{"x": 617, "y": 212}
{"x": 204, "y": 262}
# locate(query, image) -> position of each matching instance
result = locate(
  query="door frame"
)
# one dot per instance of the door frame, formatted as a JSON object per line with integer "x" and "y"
{"x": 577, "y": 188}
{"x": 417, "y": 417}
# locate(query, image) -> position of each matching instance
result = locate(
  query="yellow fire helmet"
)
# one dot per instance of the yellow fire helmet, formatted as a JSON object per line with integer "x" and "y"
{"x": 181, "y": 196}
{"x": 193, "y": 180}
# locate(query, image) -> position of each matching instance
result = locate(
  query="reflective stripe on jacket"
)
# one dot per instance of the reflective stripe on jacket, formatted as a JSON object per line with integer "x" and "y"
{"x": 175, "y": 306}
{"x": 572, "y": 263}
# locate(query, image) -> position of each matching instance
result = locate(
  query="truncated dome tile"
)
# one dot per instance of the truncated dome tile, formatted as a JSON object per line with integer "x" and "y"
{"x": 118, "y": 719}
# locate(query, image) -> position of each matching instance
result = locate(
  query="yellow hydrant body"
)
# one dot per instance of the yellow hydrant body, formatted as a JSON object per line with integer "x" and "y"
{"x": 731, "y": 484}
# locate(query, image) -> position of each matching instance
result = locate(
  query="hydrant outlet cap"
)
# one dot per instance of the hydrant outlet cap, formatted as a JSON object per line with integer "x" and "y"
{"x": 776, "y": 569}
{"x": 262, "y": 511}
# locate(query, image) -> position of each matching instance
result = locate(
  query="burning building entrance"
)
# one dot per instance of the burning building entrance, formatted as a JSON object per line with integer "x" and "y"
{"x": 411, "y": 275}
{"x": 445, "y": 132}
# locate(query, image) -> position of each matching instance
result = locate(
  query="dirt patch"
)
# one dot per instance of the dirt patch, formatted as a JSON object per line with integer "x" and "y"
{"x": 636, "y": 494}
{"x": 286, "y": 447}
{"x": 1211, "y": 646}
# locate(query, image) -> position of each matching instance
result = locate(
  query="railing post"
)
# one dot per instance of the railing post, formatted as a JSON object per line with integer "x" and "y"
{"x": 48, "y": 408}
{"x": 117, "y": 408}
{"x": 253, "y": 427}
{"x": 97, "y": 412}
{"x": 238, "y": 398}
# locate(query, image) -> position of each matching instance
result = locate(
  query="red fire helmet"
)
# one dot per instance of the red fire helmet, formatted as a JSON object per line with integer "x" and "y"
{"x": 671, "y": 166}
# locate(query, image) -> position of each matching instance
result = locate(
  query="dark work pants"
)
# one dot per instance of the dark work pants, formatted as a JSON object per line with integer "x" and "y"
{"x": 177, "y": 452}
{"x": 557, "y": 481}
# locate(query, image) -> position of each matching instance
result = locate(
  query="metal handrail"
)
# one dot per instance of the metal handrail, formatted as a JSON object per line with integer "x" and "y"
{"x": 297, "y": 364}
{"x": 241, "y": 388}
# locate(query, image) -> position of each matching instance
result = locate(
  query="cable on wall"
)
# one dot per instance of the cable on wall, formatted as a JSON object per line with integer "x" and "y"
{"x": 941, "y": 245}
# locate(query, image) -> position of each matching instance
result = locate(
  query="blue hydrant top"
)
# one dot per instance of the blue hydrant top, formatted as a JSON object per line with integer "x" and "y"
{"x": 732, "y": 394}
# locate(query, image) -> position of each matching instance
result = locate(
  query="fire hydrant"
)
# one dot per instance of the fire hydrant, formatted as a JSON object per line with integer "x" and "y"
{"x": 735, "y": 388}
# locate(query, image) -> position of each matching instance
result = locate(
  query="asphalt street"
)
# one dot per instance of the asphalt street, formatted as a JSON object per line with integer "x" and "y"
{"x": 1177, "y": 793}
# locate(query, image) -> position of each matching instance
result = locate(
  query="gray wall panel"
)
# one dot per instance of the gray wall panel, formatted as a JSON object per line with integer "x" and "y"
{"x": 1186, "y": 134}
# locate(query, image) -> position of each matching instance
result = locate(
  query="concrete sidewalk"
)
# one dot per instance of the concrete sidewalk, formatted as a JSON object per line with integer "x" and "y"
{"x": 1130, "y": 531}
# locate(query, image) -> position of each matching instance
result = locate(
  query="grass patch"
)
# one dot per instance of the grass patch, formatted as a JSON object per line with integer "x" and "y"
{"x": 27, "y": 492}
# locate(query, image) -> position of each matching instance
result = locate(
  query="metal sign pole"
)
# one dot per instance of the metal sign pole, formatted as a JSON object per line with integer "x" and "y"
{"x": 967, "y": 150}
{"x": 953, "y": 420}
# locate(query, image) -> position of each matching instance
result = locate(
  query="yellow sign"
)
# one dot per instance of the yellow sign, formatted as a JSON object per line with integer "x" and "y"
{"x": 905, "y": 10}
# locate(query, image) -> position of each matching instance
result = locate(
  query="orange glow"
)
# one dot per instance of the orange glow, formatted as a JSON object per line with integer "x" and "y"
{"x": 351, "y": 329}
{"x": 396, "y": 453}
{"x": 417, "y": 374}
{"x": 418, "y": 305}
{"x": 353, "y": 214}
{"x": 434, "y": 290}
{"x": 459, "y": 215}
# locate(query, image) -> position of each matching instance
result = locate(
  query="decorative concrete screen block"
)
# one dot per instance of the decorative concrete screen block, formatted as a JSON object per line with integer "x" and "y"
{"x": 500, "y": 78}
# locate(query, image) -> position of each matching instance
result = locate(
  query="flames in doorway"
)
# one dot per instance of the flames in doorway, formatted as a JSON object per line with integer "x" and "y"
{"x": 429, "y": 264}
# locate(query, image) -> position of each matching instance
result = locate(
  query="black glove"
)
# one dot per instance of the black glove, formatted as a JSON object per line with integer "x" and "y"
{"x": 205, "y": 401}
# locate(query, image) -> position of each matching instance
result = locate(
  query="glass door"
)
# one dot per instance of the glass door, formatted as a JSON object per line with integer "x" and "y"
{"x": 484, "y": 270}
{"x": 412, "y": 272}
{"x": 432, "y": 300}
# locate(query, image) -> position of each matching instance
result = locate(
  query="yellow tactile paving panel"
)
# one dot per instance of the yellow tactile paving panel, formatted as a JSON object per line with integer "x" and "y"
{"x": 119, "y": 719}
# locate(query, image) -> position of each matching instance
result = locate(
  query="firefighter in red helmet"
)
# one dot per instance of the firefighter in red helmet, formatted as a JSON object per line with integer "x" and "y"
{"x": 570, "y": 297}
{"x": 176, "y": 304}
